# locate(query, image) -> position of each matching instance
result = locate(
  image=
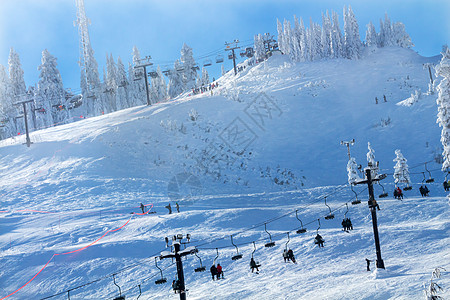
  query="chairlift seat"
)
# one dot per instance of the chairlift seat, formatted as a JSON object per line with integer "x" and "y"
{"x": 329, "y": 217}
{"x": 408, "y": 188}
{"x": 200, "y": 269}
{"x": 161, "y": 281}
{"x": 354, "y": 202}
{"x": 384, "y": 195}
{"x": 303, "y": 230}
{"x": 237, "y": 257}
{"x": 269, "y": 245}
{"x": 119, "y": 298}
{"x": 429, "y": 180}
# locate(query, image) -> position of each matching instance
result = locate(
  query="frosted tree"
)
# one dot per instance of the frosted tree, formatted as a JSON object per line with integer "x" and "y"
{"x": 137, "y": 88}
{"x": 50, "y": 94}
{"x": 371, "y": 35}
{"x": 287, "y": 37}
{"x": 188, "y": 63}
{"x": 259, "y": 48}
{"x": 303, "y": 41}
{"x": 175, "y": 86}
{"x": 205, "y": 77}
{"x": 352, "y": 170}
{"x": 336, "y": 37}
{"x": 298, "y": 34}
{"x": 18, "y": 87}
{"x": 222, "y": 70}
{"x": 159, "y": 88}
{"x": 110, "y": 89}
{"x": 352, "y": 42}
{"x": 122, "y": 88}
{"x": 387, "y": 32}
{"x": 400, "y": 37}
{"x": 443, "y": 102}
{"x": 371, "y": 160}
{"x": 7, "y": 109}
{"x": 401, "y": 170}
{"x": 281, "y": 44}
{"x": 325, "y": 38}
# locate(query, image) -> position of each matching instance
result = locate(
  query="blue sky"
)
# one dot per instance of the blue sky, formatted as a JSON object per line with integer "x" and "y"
{"x": 159, "y": 28}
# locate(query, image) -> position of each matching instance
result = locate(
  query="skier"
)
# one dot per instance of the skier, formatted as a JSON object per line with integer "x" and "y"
{"x": 398, "y": 193}
{"x": 254, "y": 266}
{"x": 290, "y": 255}
{"x": 319, "y": 240}
{"x": 169, "y": 208}
{"x": 422, "y": 191}
{"x": 177, "y": 206}
{"x": 219, "y": 271}
{"x": 285, "y": 255}
{"x": 376, "y": 100}
{"x": 167, "y": 241}
{"x": 143, "y": 208}
{"x": 446, "y": 186}
{"x": 213, "y": 270}
{"x": 368, "y": 264}
{"x": 425, "y": 190}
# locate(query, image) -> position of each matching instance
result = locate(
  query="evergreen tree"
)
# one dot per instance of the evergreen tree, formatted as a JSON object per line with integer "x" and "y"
{"x": 7, "y": 109}
{"x": 189, "y": 73}
{"x": 303, "y": 42}
{"x": 137, "y": 88}
{"x": 336, "y": 37}
{"x": 352, "y": 170}
{"x": 259, "y": 48}
{"x": 371, "y": 35}
{"x": 159, "y": 88}
{"x": 400, "y": 37}
{"x": 222, "y": 69}
{"x": 122, "y": 89}
{"x": 18, "y": 87}
{"x": 387, "y": 30}
{"x": 287, "y": 37}
{"x": 325, "y": 38}
{"x": 50, "y": 94}
{"x": 110, "y": 89}
{"x": 352, "y": 41}
{"x": 280, "y": 32}
{"x": 443, "y": 102}
{"x": 371, "y": 160}
{"x": 401, "y": 170}
{"x": 205, "y": 77}
{"x": 175, "y": 86}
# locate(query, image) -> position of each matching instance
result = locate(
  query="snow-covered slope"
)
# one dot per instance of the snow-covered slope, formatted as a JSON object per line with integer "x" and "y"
{"x": 267, "y": 142}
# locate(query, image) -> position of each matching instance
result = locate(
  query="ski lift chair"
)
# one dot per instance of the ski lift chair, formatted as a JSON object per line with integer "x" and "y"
{"x": 153, "y": 74}
{"x": 318, "y": 239}
{"x": 201, "y": 268}
{"x": 356, "y": 201}
{"x": 162, "y": 279}
{"x": 249, "y": 52}
{"x": 219, "y": 58}
{"x": 430, "y": 179}
{"x": 301, "y": 230}
{"x": 271, "y": 243}
{"x": 207, "y": 63}
{"x": 384, "y": 194}
{"x": 237, "y": 256}
{"x": 123, "y": 84}
{"x": 230, "y": 56}
{"x": 347, "y": 220}
{"x": 330, "y": 216}
{"x": 254, "y": 250}
{"x": 120, "y": 297}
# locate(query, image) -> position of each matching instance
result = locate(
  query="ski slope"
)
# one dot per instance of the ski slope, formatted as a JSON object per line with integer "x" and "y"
{"x": 265, "y": 144}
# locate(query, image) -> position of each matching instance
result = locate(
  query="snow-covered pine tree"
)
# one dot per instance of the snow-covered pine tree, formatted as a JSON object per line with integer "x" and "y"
{"x": 189, "y": 73}
{"x": 297, "y": 33}
{"x": 7, "y": 109}
{"x": 325, "y": 38}
{"x": 303, "y": 42}
{"x": 159, "y": 88}
{"x": 287, "y": 37}
{"x": 137, "y": 89}
{"x": 400, "y": 37}
{"x": 336, "y": 37}
{"x": 259, "y": 48}
{"x": 110, "y": 89}
{"x": 371, "y": 36}
{"x": 50, "y": 94}
{"x": 280, "y": 32}
{"x": 122, "y": 89}
{"x": 352, "y": 170}
{"x": 443, "y": 102}
{"x": 205, "y": 77}
{"x": 401, "y": 170}
{"x": 387, "y": 30}
{"x": 352, "y": 41}
{"x": 18, "y": 87}
{"x": 371, "y": 160}
{"x": 222, "y": 70}
{"x": 175, "y": 86}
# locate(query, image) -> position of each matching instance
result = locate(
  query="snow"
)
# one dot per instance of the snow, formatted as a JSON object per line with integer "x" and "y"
{"x": 81, "y": 180}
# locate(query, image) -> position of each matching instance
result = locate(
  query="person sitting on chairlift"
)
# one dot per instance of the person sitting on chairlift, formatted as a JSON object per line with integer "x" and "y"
{"x": 213, "y": 270}
{"x": 285, "y": 255}
{"x": 319, "y": 240}
{"x": 254, "y": 265}
{"x": 290, "y": 255}
{"x": 219, "y": 271}
{"x": 446, "y": 186}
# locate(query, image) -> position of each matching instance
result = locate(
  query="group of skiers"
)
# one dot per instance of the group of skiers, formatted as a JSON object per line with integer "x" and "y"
{"x": 202, "y": 89}
{"x": 347, "y": 224}
{"x": 216, "y": 271}
{"x": 170, "y": 207}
